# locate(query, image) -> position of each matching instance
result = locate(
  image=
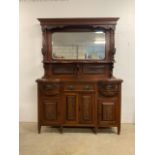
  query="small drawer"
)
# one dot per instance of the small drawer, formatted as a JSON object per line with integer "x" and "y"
{"x": 87, "y": 87}
{"x": 70, "y": 86}
{"x": 109, "y": 87}
{"x": 108, "y": 93}
{"x": 51, "y": 86}
{"x": 51, "y": 89}
{"x": 79, "y": 87}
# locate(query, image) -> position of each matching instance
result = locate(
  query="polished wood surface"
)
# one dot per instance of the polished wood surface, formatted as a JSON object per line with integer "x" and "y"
{"x": 79, "y": 93}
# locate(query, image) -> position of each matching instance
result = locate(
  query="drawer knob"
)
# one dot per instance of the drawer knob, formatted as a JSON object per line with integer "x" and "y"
{"x": 109, "y": 86}
{"x": 87, "y": 87}
{"x": 70, "y": 87}
{"x": 49, "y": 86}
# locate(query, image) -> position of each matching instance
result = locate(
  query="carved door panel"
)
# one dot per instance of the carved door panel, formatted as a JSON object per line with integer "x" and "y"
{"x": 51, "y": 110}
{"x": 86, "y": 108}
{"x": 71, "y": 108}
{"x": 107, "y": 111}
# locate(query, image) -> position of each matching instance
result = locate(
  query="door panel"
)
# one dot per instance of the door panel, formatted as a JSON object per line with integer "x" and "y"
{"x": 86, "y": 108}
{"x": 71, "y": 108}
{"x": 51, "y": 109}
{"x": 107, "y": 111}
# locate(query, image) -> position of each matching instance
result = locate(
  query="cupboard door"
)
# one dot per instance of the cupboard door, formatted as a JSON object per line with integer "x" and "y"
{"x": 107, "y": 111}
{"x": 51, "y": 110}
{"x": 71, "y": 108}
{"x": 86, "y": 108}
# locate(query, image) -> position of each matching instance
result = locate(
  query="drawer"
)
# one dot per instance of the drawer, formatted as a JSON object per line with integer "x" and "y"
{"x": 109, "y": 87}
{"x": 87, "y": 86}
{"x": 108, "y": 93}
{"x": 79, "y": 86}
{"x": 51, "y": 89}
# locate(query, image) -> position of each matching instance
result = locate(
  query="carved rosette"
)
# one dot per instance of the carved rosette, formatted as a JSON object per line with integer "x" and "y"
{"x": 112, "y": 44}
{"x": 44, "y": 43}
{"x": 108, "y": 90}
{"x": 47, "y": 70}
{"x": 113, "y": 54}
{"x": 111, "y": 66}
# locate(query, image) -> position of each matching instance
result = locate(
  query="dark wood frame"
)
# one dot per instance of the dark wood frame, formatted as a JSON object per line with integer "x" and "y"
{"x": 97, "y": 91}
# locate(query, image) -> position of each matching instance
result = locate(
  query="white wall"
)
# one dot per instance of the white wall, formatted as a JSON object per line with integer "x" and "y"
{"x": 31, "y": 41}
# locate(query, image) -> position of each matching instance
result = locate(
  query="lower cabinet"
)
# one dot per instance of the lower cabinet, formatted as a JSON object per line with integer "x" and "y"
{"x": 51, "y": 110}
{"x": 107, "y": 111}
{"x": 79, "y": 108}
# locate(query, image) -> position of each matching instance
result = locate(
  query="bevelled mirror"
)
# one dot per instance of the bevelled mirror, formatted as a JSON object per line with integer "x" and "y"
{"x": 78, "y": 45}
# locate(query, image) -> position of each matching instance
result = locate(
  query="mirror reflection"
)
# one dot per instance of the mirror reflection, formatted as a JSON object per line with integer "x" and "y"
{"x": 78, "y": 45}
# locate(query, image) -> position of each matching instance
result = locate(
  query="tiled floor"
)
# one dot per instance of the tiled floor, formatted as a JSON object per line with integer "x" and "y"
{"x": 75, "y": 141}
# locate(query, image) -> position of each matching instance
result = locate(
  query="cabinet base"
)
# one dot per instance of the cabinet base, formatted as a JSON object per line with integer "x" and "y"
{"x": 94, "y": 129}
{"x": 39, "y": 128}
{"x": 118, "y": 130}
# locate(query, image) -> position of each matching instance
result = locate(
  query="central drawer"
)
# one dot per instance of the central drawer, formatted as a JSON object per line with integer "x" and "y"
{"x": 79, "y": 86}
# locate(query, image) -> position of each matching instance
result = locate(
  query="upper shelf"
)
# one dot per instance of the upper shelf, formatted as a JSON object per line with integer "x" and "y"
{"x": 78, "y": 21}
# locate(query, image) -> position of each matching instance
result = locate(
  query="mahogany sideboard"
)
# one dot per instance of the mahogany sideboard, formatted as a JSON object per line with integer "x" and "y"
{"x": 78, "y": 88}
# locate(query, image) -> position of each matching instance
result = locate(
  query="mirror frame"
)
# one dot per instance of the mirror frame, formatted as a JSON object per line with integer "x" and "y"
{"x": 79, "y": 28}
{"x": 102, "y": 51}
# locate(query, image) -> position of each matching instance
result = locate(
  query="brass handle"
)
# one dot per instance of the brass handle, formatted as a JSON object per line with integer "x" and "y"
{"x": 87, "y": 87}
{"x": 49, "y": 86}
{"x": 109, "y": 86}
{"x": 70, "y": 87}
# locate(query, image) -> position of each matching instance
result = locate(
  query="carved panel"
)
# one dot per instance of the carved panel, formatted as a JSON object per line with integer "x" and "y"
{"x": 47, "y": 70}
{"x": 113, "y": 53}
{"x": 51, "y": 109}
{"x": 71, "y": 108}
{"x": 108, "y": 89}
{"x": 45, "y": 44}
{"x": 93, "y": 69}
{"x": 63, "y": 69}
{"x": 86, "y": 108}
{"x": 108, "y": 111}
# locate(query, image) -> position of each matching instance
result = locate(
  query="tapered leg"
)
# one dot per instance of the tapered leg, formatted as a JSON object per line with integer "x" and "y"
{"x": 61, "y": 129}
{"x": 95, "y": 130}
{"x": 118, "y": 130}
{"x": 39, "y": 128}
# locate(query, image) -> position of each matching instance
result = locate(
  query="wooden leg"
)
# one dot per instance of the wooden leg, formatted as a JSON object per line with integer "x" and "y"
{"x": 39, "y": 128}
{"x": 95, "y": 130}
{"x": 61, "y": 129}
{"x": 118, "y": 130}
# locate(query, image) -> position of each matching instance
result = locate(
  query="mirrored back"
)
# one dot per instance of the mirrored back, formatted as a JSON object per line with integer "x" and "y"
{"x": 78, "y": 45}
